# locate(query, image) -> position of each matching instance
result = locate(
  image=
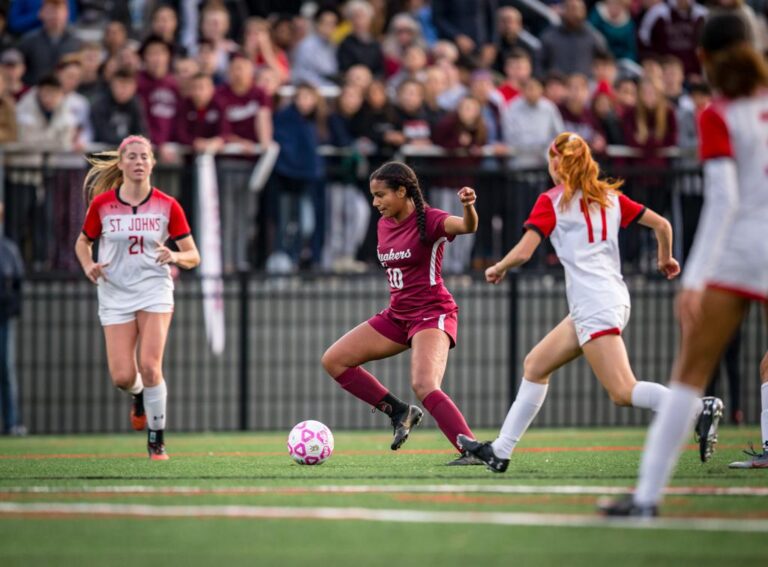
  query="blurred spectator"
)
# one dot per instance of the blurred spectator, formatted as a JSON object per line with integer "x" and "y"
{"x": 207, "y": 62}
{"x": 529, "y": 123}
{"x": 12, "y": 274}
{"x": 247, "y": 109}
{"x": 259, "y": 47}
{"x": 24, "y": 15}
{"x": 435, "y": 84}
{"x": 115, "y": 37}
{"x": 349, "y": 211}
{"x": 214, "y": 27}
{"x": 757, "y": 27}
{"x": 482, "y": 90}
{"x": 512, "y": 36}
{"x": 69, "y": 71}
{"x": 413, "y": 68}
{"x": 577, "y": 114}
{"x": 200, "y": 118}
{"x": 606, "y": 115}
{"x": 381, "y": 16}
{"x": 604, "y": 71}
{"x": 445, "y": 52}
{"x": 165, "y": 24}
{"x": 460, "y": 131}
{"x": 471, "y": 25}
{"x": 403, "y": 33}
{"x": 158, "y": 91}
{"x": 126, "y": 58}
{"x": 673, "y": 79}
{"x": 518, "y": 68}
{"x": 184, "y": 68}
{"x": 626, "y": 95}
{"x": 652, "y": 70}
{"x": 12, "y": 67}
{"x": 117, "y": 113}
{"x": 672, "y": 28}
{"x": 43, "y": 119}
{"x": 360, "y": 76}
{"x": 571, "y": 46}
{"x": 8, "y": 127}
{"x": 377, "y": 114}
{"x": 43, "y": 48}
{"x": 360, "y": 46}
{"x": 554, "y": 87}
{"x": 454, "y": 90}
{"x": 298, "y": 129}
{"x": 314, "y": 59}
{"x": 268, "y": 81}
{"x": 90, "y": 62}
{"x": 613, "y": 20}
{"x": 410, "y": 124}
{"x": 283, "y": 32}
{"x": 421, "y": 11}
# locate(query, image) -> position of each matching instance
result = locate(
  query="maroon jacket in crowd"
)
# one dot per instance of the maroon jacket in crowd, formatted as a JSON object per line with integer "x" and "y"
{"x": 194, "y": 123}
{"x": 240, "y": 111}
{"x": 160, "y": 98}
{"x": 666, "y": 31}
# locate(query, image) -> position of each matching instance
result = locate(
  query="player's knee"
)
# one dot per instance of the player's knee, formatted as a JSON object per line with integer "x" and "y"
{"x": 422, "y": 388}
{"x": 331, "y": 363}
{"x": 123, "y": 378}
{"x": 533, "y": 371}
{"x": 151, "y": 374}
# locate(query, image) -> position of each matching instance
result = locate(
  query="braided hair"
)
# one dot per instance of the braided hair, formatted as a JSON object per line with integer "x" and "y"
{"x": 396, "y": 174}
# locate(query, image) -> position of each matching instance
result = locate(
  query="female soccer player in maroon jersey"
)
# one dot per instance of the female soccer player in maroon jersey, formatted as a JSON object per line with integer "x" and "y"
{"x": 728, "y": 266}
{"x": 582, "y": 216}
{"x": 132, "y": 221}
{"x": 421, "y": 315}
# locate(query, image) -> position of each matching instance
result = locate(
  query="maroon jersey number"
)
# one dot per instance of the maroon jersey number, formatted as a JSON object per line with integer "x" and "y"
{"x": 137, "y": 245}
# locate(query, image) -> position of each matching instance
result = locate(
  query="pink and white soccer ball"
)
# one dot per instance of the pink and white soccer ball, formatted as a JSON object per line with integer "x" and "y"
{"x": 310, "y": 443}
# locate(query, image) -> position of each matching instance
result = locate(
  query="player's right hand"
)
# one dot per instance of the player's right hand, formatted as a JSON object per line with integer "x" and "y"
{"x": 96, "y": 271}
{"x": 493, "y": 275}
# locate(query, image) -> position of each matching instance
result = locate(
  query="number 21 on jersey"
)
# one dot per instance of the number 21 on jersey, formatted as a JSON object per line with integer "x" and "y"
{"x": 395, "y": 276}
{"x": 137, "y": 244}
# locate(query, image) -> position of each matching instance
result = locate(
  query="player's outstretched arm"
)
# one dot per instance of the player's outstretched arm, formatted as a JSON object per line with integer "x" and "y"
{"x": 518, "y": 256}
{"x": 467, "y": 223}
{"x": 663, "y": 230}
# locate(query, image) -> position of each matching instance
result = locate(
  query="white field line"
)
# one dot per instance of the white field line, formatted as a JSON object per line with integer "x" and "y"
{"x": 381, "y": 489}
{"x": 365, "y": 514}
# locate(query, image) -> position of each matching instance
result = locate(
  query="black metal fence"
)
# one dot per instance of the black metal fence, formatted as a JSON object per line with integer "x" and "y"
{"x": 277, "y": 329}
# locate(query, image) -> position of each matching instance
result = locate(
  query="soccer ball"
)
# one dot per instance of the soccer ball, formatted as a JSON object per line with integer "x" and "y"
{"x": 310, "y": 443}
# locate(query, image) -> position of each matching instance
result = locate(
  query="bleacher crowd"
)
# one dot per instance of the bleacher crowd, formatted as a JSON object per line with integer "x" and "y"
{"x": 487, "y": 79}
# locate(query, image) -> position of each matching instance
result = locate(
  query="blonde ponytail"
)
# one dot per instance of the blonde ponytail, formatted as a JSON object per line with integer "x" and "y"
{"x": 104, "y": 173}
{"x": 576, "y": 170}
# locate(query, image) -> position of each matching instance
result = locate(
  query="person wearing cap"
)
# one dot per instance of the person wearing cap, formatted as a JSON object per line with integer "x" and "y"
{"x": 13, "y": 69}
{"x": 42, "y": 48}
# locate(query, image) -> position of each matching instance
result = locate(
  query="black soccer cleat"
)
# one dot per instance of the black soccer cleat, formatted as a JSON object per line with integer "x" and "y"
{"x": 138, "y": 417}
{"x": 626, "y": 507}
{"x": 466, "y": 458}
{"x": 483, "y": 452}
{"x": 156, "y": 445}
{"x": 706, "y": 426}
{"x": 402, "y": 423}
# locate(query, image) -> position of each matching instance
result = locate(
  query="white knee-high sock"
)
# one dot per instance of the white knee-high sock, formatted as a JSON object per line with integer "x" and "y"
{"x": 138, "y": 386}
{"x": 154, "y": 406}
{"x": 666, "y": 437}
{"x": 527, "y": 404}
{"x": 764, "y": 414}
{"x": 649, "y": 395}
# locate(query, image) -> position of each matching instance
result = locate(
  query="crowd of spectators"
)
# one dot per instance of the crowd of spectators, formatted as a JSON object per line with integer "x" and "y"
{"x": 470, "y": 76}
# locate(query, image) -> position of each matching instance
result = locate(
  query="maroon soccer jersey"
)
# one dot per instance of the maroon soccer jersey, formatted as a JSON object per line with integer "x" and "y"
{"x": 160, "y": 98}
{"x": 196, "y": 123}
{"x": 414, "y": 267}
{"x": 240, "y": 111}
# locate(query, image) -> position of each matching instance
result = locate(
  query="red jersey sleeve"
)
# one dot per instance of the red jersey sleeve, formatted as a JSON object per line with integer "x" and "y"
{"x": 714, "y": 140}
{"x": 631, "y": 211}
{"x": 542, "y": 218}
{"x": 92, "y": 223}
{"x": 178, "y": 227}
{"x": 436, "y": 225}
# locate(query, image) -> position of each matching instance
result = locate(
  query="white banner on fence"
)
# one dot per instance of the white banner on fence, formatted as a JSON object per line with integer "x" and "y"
{"x": 209, "y": 239}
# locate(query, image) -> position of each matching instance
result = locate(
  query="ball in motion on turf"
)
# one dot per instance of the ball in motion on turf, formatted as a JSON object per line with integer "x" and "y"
{"x": 310, "y": 443}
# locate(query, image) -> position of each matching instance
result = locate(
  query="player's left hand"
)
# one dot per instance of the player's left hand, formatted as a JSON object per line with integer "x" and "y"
{"x": 670, "y": 268}
{"x": 164, "y": 255}
{"x": 467, "y": 196}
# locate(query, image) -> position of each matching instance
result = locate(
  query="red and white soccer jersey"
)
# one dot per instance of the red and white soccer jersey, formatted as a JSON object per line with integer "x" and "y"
{"x": 414, "y": 267}
{"x": 128, "y": 239}
{"x": 586, "y": 239}
{"x": 730, "y": 250}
